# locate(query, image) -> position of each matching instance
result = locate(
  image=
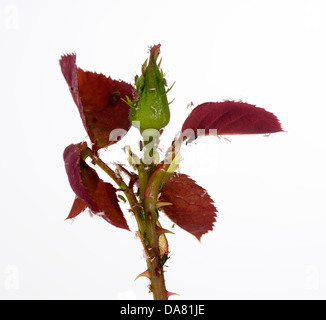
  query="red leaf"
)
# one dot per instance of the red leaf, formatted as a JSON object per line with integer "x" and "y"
{"x": 98, "y": 195}
{"x": 230, "y": 117}
{"x": 192, "y": 208}
{"x": 98, "y": 99}
{"x": 78, "y": 206}
{"x": 72, "y": 159}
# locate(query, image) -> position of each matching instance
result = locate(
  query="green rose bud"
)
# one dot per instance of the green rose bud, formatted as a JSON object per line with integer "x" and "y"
{"x": 151, "y": 107}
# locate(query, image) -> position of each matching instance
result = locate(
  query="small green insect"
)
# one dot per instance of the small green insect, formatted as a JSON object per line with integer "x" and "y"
{"x": 163, "y": 259}
{"x": 122, "y": 198}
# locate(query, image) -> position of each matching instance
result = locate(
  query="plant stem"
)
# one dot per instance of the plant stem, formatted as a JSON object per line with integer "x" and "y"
{"x": 146, "y": 217}
{"x": 153, "y": 261}
{"x": 151, "y": 236}
{"x": 134, "y": 205}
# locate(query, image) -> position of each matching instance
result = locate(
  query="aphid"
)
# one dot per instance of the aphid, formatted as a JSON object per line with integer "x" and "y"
{"x": 190, "y": 105}
{"x": 100, "y": 214}
{"x": 153, "y": 109}
{"x": 122, "y": 198}
{"x": 90, "y": 212}
{"x": 163, "y": 259}
{"x": 227, "y": 140}
{"x": 203, "y": 194}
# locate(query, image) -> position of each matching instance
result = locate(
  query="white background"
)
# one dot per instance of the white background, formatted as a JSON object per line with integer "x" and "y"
{"x": 269, "y": 239}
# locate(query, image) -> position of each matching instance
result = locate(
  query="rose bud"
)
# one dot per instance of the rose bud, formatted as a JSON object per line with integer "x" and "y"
{"x": 151, "y": 107}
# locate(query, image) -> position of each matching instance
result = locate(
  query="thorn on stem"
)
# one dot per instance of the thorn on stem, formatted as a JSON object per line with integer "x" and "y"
{"x": 161, "y": 230}
{"x": 144, "y": 274}
{"x": 160, "y": 204}
{"x": 169, "y": 294}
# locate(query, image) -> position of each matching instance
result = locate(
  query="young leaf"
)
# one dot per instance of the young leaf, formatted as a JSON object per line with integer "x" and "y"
{"x": 192, "y": 208}
{"x": 99, "y": 101}
{"x": 78, "y": 206}
{"x": 230, "y": 117}
{"x": 96, "y": 194}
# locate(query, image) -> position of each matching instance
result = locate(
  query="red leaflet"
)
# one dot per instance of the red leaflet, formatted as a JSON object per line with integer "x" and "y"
{"x": 98, "y": 99}
{"x": 90, "y": 190}
{"x": 73, "y": 162}
{"x": 230, "y": 117}
{"x": 77, "y": 207}
{"x": 192, "y": 208}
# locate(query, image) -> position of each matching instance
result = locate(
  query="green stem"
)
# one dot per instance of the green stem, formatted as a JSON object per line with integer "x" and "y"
{"x": 146, "y": 216}
{"x": 151, "y": 236}
{"x": 143, "y": 177}
{"x": 147, "y": 224}
{"x": 134, "y": 204}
